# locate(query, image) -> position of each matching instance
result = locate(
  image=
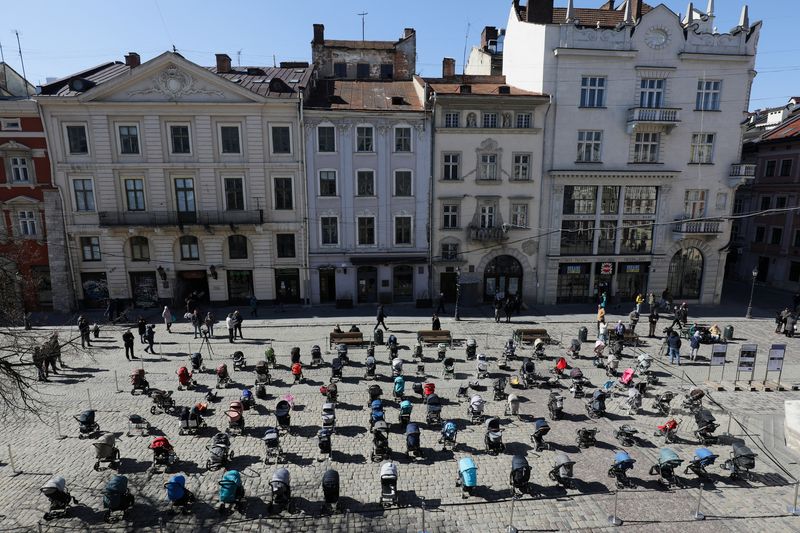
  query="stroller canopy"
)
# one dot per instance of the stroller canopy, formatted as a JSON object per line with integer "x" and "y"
{"x": 449, "y": 362}
{"x": 282, "y": 408}
{"x": 428, "y": 388}
{"x": 740, "y": 450}
{"x": 528, "y": 367}
{"x": 468, "y": 472}
{"x": 381, "y": 427}
{"x": 86, "y": 417}
{"x": 704, "y": 456}
{"x": 281, "y": 475}
{"x": 370, "y": 362}
{"x": 399, "y": 384}
{"x": 563, "y": 460}
{"x": 176, "y": 487}
{"x": 599, "y": 395}
{"x": 247, "y": 395}
{"x": 493, "y": 424}
{"x": 270, "y": 434}
{"x": 542, "y": 425}
{"x": 500, "y": 383}
{"x": 472, "y": 342}
{"x": 222, "y": 438}
{"x": 328, "y": 407}
{"x": 161, "y": 443}
{"x": 229, "y": 485}
{"x": 330, "y": 480}
{"x": 449, "y": 429}
{"x": 222, "y": 370}
{"x": 375, "y": 391}
{"x": 336, "y": 363}
{"x": 412, "y": 429}
{"x": 622, "y": 458}
{"x": 388, "y": 471}
{"x": 513, "y": 398}
{"x": 667, "y": 455}
{"x": 476, "y": 402}
{"x": 627, "y": 376}
{"x": 406, "y": 407}
{"x": 576, "y": 373}
{"x": 519, "y": 462}
{"x": 56, "y": 482}
{"x": 397, "y": 363}
{"x": 704, "y": 417}
{"x": 106, "y": 440}
{"x": 376, "y": 405}
{"x": 117, "y": 485}
{"x": 696, "y": 394}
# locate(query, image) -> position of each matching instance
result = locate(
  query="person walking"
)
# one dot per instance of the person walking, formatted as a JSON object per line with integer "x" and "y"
{"x": 237, "y": 324}
{"x": 83, "y": 327}
{"x": 674, "y": 345}
{"x": 639, "y": 300}
{"x": 601, "y": 316}
{"x": 602, "y": 332}
{"x": 498, "y": 304}
{"x": 50, "y": 357}
{"x": 196, "y": 321}
{"x": 166, "y": 314}
{"x": 634, "y": 318}
{"x": 229, "y": 324}
{"x": 508, "y": 307}
{"x": 603, "y": 300}
{"x": 440, "y": 304}
{"x": 791, "y": 320}
{"x": 694, "y": 343}
{"x": 253, "y": 306}
{"x": 436, "y": 324}
{"x": 653, "y": 320}
{"x": 150, "y": 337}
{"x": 209, "y": 321}
{"x": 40, "y": 363}
{"x": 141, "y": 324}
{"x": 127, "y": 340}
{"x": 380, "y": 317}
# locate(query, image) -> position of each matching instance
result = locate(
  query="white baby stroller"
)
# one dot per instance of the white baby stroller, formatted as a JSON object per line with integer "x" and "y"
{"x": 60, "y": 499}
{"x": 388, "y": 475}
{"x": 397, "y": 367}
{"x": 106, "y": 452}
{"x": 329, "y": 415}
{"x": 316, "y": 355}
{"x": 481, "y": 366}
{"x": 512, "y": 405}
{"x": 475, "y": 409}
{"x": 633, "y": 403}
{"x": 472, "y": 348}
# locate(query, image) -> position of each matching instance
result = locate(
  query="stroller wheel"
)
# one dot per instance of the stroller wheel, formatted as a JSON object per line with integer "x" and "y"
{"x": 97, "y": 466}
{"x": 153, "y": 410}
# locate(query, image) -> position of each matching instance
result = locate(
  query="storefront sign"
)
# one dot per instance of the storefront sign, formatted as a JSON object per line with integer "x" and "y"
{"x": 633, "y": 268}
{"x": 574, "y": 269}
{"x": 775, "y": 357}
{"x": 607, "y": 269}
{"x": 718, "y": 352}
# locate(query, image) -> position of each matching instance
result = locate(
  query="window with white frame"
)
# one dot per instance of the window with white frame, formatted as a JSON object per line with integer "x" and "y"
{"x": 708, "y": 92}
{"x": 524, "y": 120}
{"x": 180, "y": 140}
{"x": 140, "y": 249}
{"x": 452, "y": 119}
{"x": 651, "y": 92}
{"x": 281, "y": 139}
{"x": 490, "y": 120}
{"x": 402, "y": 230}
{"x": 326, "y": 139}
{"x": 519, "y": 215}
{"x": 487, "y": 215}
{"x": 450, "y": 166}
{"x": 522, "y": 167}
{"x": 645, "y": 147}
{"x": 402, "y": 183}
{"x": 449, "y": 251}
{"x": 589, "y": 144}
{"x": 27, "y": 222}
{"x": 230, "y": 141}
{"x": 402, "y": 139}
{"x": 365, "y": 139}
{"x": 10, "y": 124}
{"x": 134, "y": 194}
{"x": 327, "y": 183}
{"x": 593, "y": 91}
{"x": 365, "y": 183}
{"x": 488, "y": 167}
{"x": 694, "y": 205}
{"x": 19, "y": 169}
{"x": 450, "y": 216}
{"x": 702, "y": 151}
{"x": 84, "y": 194}
{"x": 90, "y": 248}
{"x": 77, "y": 140}
{"x": 128, "y": 139}
{"x": 190, "y": 248}
{"x": 234, "y": 193}
{"x": 366, "y": 231}
{"x": 329, "y": 230}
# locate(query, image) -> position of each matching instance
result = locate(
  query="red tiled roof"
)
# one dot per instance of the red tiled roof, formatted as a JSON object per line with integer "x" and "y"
{"x": 349, "y": 95}
{"x": 788, "y": 130}
{"x": 608, "y": 18}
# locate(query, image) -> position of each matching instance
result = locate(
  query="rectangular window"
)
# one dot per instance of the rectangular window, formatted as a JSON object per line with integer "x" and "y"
{"x": 450, "y": 216}
{"x": 387, "y": 71}
{"x": 738, "y": 206}
{"x": 27, "y": 223}
{"x": 402, "y": 183}
{"x": 84, "y": 194}
{"x": 329, "y": 230}
{"x": 402, "y": 139}
{"x": 488, "y": 168}
{"x": 362, "y": 70}
{"x": 452, "y": 119}
{"x": 10, "y": 124}
{"x": 402, "y": 230}
{"x": 364, "y": 139}
{"x": 519, "y": 215}
{"x": 796, "y": 243}
{"x": 761, "y": 231}
{"x": 284, "y": 199}
{"x": 450, "y": 163}
{"x": 184, "y": 195}
{"x": 340, "y": 70}
{"x": 326, "y": 139}
{"x": 449, "y": 251}
{"x": 609, "y": 200}
{"x": 766, "y": 203}
{"x": 780, "y": 202}
{"x": 490, "y": 120}
{"x": 140, "y": 249}
{"x": 229, "y": 140}
{"x": 522, "y": 167}
{"x": 702, "y": 148}
{"x": 90, "y": 248}
{"x": 523, "y": 120}
{"x": 134, "y": 194}
{"x": 128, "y": 139}
{"x": 366, "y": 231}
{"x": 487, "y": 219}
{"x": 794, "y": 271}
{"x": 19, "y": 170}
{"x": 180, "y": 140}
{"x": 589, "y": 144}
{"x": 327, "y": 183}
{"x": 694, "y": 205}
{"x": 707, "y": 95}
{"x": 190, "y": 249}
{"x": 776, "y": 236}
{"x": 577, "y": 237}
{"x": 593, "y": 92}
{"x": 645, "y": 147}
{"x": 651, "y": 92}
{"x": 580, "y": 199}
{"x": 237, "y": 247}
{"x": 281, "y": 140}
{"x": 607, "y": 238}
{"x": 285, "y": 242}
{"x": 234, "y": 194}
{"x": 769, "y": 170}
{"x": 365, "y": 185}
{"x": 77, "y": 142}
{"x": 637, "y": 237}
{"x": 786, "y": 167}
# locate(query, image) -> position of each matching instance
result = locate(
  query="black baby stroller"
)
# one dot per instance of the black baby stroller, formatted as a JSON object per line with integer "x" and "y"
{"x": 60, "y": 499}
{"x": 219, "y": 451}
{"x": 380, "y": 442}
{"x": 441, "y": 351}
{"x": 238, "y": 360}
{"x": 332, "y": 393}
{"x": 555, "y": 405}
{"x": 499, "y": 388}
{"x": 693, "y": 400}
{"x": 106, "y": 452}
{"x": 449, "y": 435}
{"x": 703, "y": 458}
{"x": 86, "y": 424}
{"x": 280, "y": 492}
{"x": 374, "y": 392}
{"x": 626, "y": 435}
{"x": 475, "y": 409}
{"x": 562, "y": 469}
{"x": 741, "y": 462}
{"x": 472, "y": 348}
{"x": 162, "y": 402}
{"x": 619, "y": 470}
{"x": 417, "y": 354}
{"x": 191, "y": 421}
{"x": 540, "y": 429}
{"x": 668, "y": 461}
{"x": 341, "y": 353}
{"x": 574, "y": 349}
{"x": 413, "y": 448}
{"x": 520, "y": 476}
{"x": 528, "y": 373}
{"x": 283, "y": 415}
{"x": 295, "y": 355}
{"x": 329, "y": 415}
{"x": 661, "y": 403}
{"x": 433, "y": 415}
{"x": 586, "y": 437}
{"x": 138, "y": 381}
{"x": 597, "y": 406}
{"x": 316, "y": 355}
{"x": 263, "y": 376}
{"x": 272, "y": 445}
{"x": 138, "y": 425}
{"x": 330, "y": 490}
{"x": 369, "y": 367}
{"x": 336, "y": 369}
{"x": 493, "y": 439}
{"x": 706, "y": 425}
{"x": 449, "y": 371}
{"x": 388, "y": 475}
{"x": 324, "y": 441}
{"x": 578, "y": 382}
{"x": 116, "y": 498}
{"x": 196, "y": 360}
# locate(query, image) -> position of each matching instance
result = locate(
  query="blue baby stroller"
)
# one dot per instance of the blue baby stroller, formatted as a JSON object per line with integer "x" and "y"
{"x": 668, "y": 461}
{"x": 405, "y": 412}
{"x": 177, "y": 494}
{"x": 540, "y": 429}
{"x": 412, "y": 441}
{"x": 60, "y": 499}
{"x": 86, "y": 424}
{"x": 247, "y": 399}
{"x": 703, "y": 458}
{"x": 280, "y": 492}
{"x": 231, "y": 492}
{"x": 399, "y": 387}
{"x": 449, "y": 434}
{"x": 376, "y": 413}
{"x": 520, "y": 476}
{"x": 467, "y": 476}
{"x": 117, "y": 499}
{"x": 619, "y": 470}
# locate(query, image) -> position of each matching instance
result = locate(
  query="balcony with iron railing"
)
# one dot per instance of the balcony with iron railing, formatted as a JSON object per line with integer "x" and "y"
{"x": 709, "y": 227}
{"x": 479, "y": 234}
{"x": 741, "y": 173}
{"x": 180, "y": 218}
{"x": 668, "y": 117}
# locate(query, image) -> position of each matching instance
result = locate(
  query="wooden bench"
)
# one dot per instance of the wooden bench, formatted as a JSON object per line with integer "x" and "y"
{"x": 528, "y": 336}
{"x": 430, "y": 336}
{"x": 630, "y": 338}
{"x": 355, "y": 338}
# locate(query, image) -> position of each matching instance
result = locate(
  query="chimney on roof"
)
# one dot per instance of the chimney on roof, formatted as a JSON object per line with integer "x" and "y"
{"x": 489, "y": 33}
{"x": 319, "y": 34}
{"x": 408, "y": 32}
{"x": 448, "y": 67}
{"x": 539, "y": 11}
{"x": 636, "y": 9}
{"x": 132, "y": 59}
{"x": 223, "y": 63}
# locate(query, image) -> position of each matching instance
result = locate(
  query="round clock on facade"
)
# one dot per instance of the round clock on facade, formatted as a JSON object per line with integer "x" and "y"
{"x": 656, "y": 37}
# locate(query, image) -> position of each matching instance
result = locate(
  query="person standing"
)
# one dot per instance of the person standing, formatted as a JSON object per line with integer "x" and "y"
{"x": 229, "y": 324}
{"x": 209, "y": 321}
{"x": 602, "y": 331}
{"x": 40, "y": 363}
{"x": 634, "y": 318}
{"x": 653, "y": 320}
{"x": 440, "y": 304}
{"x": 109, "y": 314}
{"x": 142, "y": 325}
{"x": 601, "y": 316}
{"x": 791, "y": 320}
{"x": 694, "y": 343}
{"x": 150, "y": 337}
{"x": 603, "y": 300}
{"x": 674, "y": 345}
{"x": 237, "y": 324}
{"x": 253, "y": 306}
{"x": 196, "y": 322}
{"x": 83, "y": 327}
{"x": 380, "y": 317}
{"x": 651, "y": 301}
{"x": 498, "y": 304}
{"x": 436, "y": 324}
{"x": 127, "y": 340}
{"x": 508, "y": 307}
{"x": 639, "y": 301}
{"x": 166, "y": 314}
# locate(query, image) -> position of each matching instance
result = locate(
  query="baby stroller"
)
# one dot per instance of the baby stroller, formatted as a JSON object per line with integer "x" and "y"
{"x": 223, "y": 378}
{"x": 574, "y": 349}
{"x": 449, "y": 371}
{"x": 138, "y": 382}
{"x": 388, "y": 475}
{"x": 397, "y": 367}
{"x": 597, "y": 406}
{"x": 413, "y": 448}
{"x": 499, "y": 388}
{"x": 369, "y": 368}
{"x": 668, "y": 430}
{"x": 247, "y": 399}
{"x": 493, "y": 439}
{"x": 269, "y": 356}
{"x": 324, "y": 440}
{"x": 661, "y": 403}
{"x": 463, "y": 392}
{"x": 405, "y": 412}
{"x": 280, "y": 491}
{"x": 538, "y": 349}
{"x": 428, "y": 389}
{"x": 693, "y": 400}
{"x": 433, "y": 416}
{"x": 219, "y": 451}
{"x": 374, "y": 392}
{"x": 481, "y": 366}
{"x": 341, "y": 353}
{"x": 262, "y": 373}
{"x": 578, "y": 381}
{"x": 86, "y": 424}
{"x": 283, "y": 414}
{"x": 399, "y": 388}
{"x": 235, "y": 414}
{"x": 562, "y": 470}
{"x": 417, "y": 354}
{"x": 185, "y": 380}
{"x": 294, "y": 355}
{"x": 626, "y": 379}
{"x": 449, "y": 434}
{"x": 467, "y": 476}
{"x": 512, "y": 405}
{"x": 586, "y": 437}
{"x": 645, "y": 361}
{"x": 336, "y": 369}
{"x": 541, "y": 428}
{"x": 475, "y": 409}
{"x": 272, "y": 445}
{"x": 330, "y": 490}
{"x": 520, "y": 476}
{"x": 510, "y": 349}
{"x": 633, "y": 402}
{"x": 116, "y": 498}
{"x": 472, "y": 348}
{"x": 329, "y": 415}
{"x": 163, "y": 453}
{"x": 238, "y": 360}
{"x": 626, "y": 435}
{"x": 177, "y": 494}
{"x": 619, "y": 470}
{"x": 106, "y": 452}
{"x": 706, "y": 425}
{"x": 380, "y": 442}
{"x": 60, "y": 499}
{"x": 316, "y": 355}
{"x": 668, "y": 461}
{"x": 138, "y": 425}
{"x": 376, "y": 413}
{"x": 196, "y": 360}
{"x": 162, "y": 401}
{"x": 555, "y": 405}
{"x": 191, "y": 421}
{"x": 741, "y": 462}
{"x": 561, "y": 366}
{"x": 441, "y": 351}
{"x": 703, "y": 458}
{"x": 391, "y": 341}
{"x": 297, "y": 373}
{"x": 331, "y": 392}
{"x": 231, "y": 492}
{"x": 613, "y": 358}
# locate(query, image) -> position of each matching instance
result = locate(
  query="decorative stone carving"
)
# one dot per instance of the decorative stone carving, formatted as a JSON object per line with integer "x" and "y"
{"x": 344, "y": 126}
{"x": 488, "y": 145}
{"x": 472, "y": 120}
{"x": 382, "y": 128}
{"x": 506, "y": 120}
{"x": 174, "y": 83}
{"x": 420, "y": 127}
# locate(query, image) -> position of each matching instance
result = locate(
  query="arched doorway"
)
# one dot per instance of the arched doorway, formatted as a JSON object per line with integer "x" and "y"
{"x": 367, "y": 279}
{"x": 503, "y": 274}
{"x": 403, "y": 284}
{"x": 686, "y": 274}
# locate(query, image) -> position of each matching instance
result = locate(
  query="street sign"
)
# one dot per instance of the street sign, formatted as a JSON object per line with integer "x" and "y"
{"x": 718, "y": 353}
{"x": 775, "y": 357}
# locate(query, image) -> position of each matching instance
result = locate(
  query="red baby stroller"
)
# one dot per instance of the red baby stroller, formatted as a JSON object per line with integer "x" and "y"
{"x": 185, "y": 380}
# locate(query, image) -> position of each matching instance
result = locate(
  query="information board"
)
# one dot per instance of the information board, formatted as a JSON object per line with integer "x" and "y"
{"x": 775, "y": 357}
{"x": 718, "y": 353}
{"x": 747, "y": 358}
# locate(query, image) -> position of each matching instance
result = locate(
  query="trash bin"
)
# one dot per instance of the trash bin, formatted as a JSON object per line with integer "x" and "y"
{"x": 727, "y": 333}
{"x": 583, "y": 334}
{"x": 377, "y": 337}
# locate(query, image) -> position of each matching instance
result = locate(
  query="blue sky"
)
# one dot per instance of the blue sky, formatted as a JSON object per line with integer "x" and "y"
{"x": 59, "y": 38}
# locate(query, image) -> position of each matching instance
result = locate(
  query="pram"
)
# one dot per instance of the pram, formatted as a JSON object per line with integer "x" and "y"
{"x": 538, "y": 349}
{"x": 139, "y": 425}
{"x": 475, "y": 409}
{"x": 560, "y": 367}
{"x": 162, "y": 401}
{"x": 316, "y": 355}
{"x": 574, "y": 349}
{"x": 223, "y": 378}
{"x": 619, "y": 470}
{"x": 294, "y": 355}
{"x": 116, "y": 498}
{"x": 163, "y": 453}
{"x": 555, "y": 405}
{"x": 374, "y": 392}
{"x": 330, "y": 490}
{"x": 280, "y": 492}
{"x": 235, "y": 414}
{"x": 272, "y": 445}
{"x": 269, "y": 356}
{"x": 341, "y": 353}
{"x": 231, "y": 492}
{"x": 336, "y": 369}
{"x": 238, "y": 360}
{"x": 661, "y": 403}
{"x": 247, "y": 399}
{"x": 397, "y": 367}
{"x": 413, "y": 448}
{"x": 185, "y": 380}
{"x": 179, "y": 497}
{"x": 449, "y": 435}
{"x": 324, "y": 440}
{"x": 417, "y": 354}
{"x": 481, "y": 366}
{"x": 633, "y": 401}
{"x": 263, "y": 376}
{"x": 626, "y": 435}
{"x": 562, "y": 470}
{"x": 472, "y": 348}
{"x": 510, "y": 349}
{"x": 626, "y": 379}
{"x": 331, "y": 392}
{"x": 297, "y": 373}
{"x": 433, "y": 415}
{"x": 283, "y": 414}
{"x": 441, "y": 351}
{"x": 613, "y": 358}
{"x": 388, "y": 475}
{"x": 391, "y": 343}
{"x": 60, "y": 499}
{"x": 499, "y": 388}
{"x": 399, "y": 388}
{"x": 86, "y": 424}
{"x": 586, "y": 437}
{"x": 219, "y": 451}
{"x": 668, "y": 430}
{"x": 693, "y": 401}
{"x": 512, "y": 405}
{"x": 369, "y": 367}
{"x": 138, "y": 381}
{"x": 449, "y": 368}
{"x": 493, "y": 439}
{"x": 741, "y": 462}
{"x": 376, "y": 413}
{"x": 578, "y": 382}
{"x": 520, "y": 476}
{"x": 405, "y": 412}
{"x": 196, "y": 360}
{"x": 467, "y": 476}
{"x": 703, "y": 458}
{"x": 706, "y": 425}
{"x": 380, "y": 442}
{"x": 596, "y": 407}
{"x": 329, "y": 415}
{"x": 428, "y": 389}
{"x": 540, "y": 429}
{"x": 463, "y": 391}
{"x": 599, "y": 348}
{"x": 106, "y": 452}
{"x": 668, "y": 461}
{"x": 645, "y": 361}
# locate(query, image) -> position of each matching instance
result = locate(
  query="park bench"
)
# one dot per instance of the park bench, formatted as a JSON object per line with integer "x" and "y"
{"x": 355, "y": 338}
{"x": 527, "y": 336}
{"x": 430, "y": 336}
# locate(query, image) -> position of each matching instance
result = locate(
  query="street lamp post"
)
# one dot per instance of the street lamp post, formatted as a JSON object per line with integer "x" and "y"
{"x": 458, "y": 292}
{"x": 752, "y": 290}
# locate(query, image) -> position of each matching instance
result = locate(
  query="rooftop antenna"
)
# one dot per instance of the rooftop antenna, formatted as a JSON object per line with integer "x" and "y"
{"x": 363, "y": 16}
{"x": 22, "y": 61}
{"x": 174, "y": 50}
{"x": 239, "y": 58}
{"x": 464, "y": 56}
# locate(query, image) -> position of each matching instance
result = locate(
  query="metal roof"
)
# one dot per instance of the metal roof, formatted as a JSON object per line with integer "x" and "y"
{"x": 364, "y": 96}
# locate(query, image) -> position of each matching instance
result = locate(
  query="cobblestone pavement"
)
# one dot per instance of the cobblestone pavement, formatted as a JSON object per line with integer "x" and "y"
{"x": 99, "y": 378}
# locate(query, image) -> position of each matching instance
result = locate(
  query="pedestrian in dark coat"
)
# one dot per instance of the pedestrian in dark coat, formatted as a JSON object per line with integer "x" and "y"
{"x": 127, "y": 340}
{"x": 142, "y": 325}
{"x": 508, "y": 307}
{"x": 379, "y": 318}
{"x": 436, "y": 324}
{"x": 498, "y": 305}
{"x": 253, "y": 306}
{"x": 150, "y": 337}
{"x": 237, "y": 324}
{"x": 83, "y": 327}
{"x": 440, "y": 304}
{"x": 653, "y": 320}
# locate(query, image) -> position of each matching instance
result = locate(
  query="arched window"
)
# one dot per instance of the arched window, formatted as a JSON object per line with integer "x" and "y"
{"x": 190, "y": 250}
{"x": 237, "y": 247}
{"x": 686, "y": 274}
{"x": 140, "y": 249}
